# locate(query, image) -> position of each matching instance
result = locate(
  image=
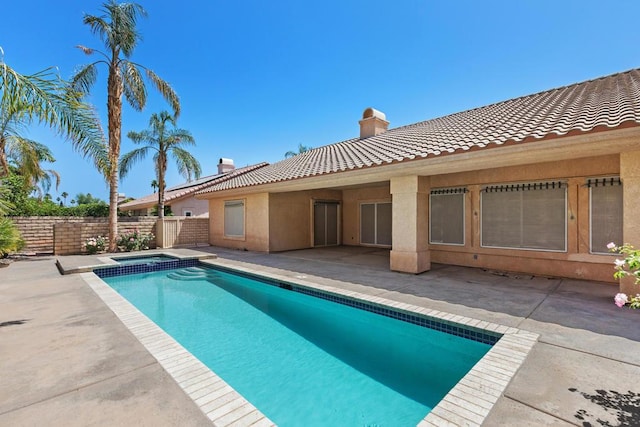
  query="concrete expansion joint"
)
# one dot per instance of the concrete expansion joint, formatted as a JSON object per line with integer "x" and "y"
{"x": 626, "y": 362}
{"x": 82, "y": 387}
{"x": 507, "y": 396}
{"x": 548, "y": 294}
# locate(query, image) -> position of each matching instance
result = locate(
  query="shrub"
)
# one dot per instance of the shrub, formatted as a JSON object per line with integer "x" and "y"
{"x": 93, "y": 245}
{"x": 627, "y": 266}
{"x": 10, "y": 239}
{"x": 134, "y": 241}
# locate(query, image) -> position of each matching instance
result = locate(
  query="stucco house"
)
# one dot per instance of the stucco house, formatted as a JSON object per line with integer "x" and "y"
{"x": 181, "y": 197}
{"x": 537, "y": 184}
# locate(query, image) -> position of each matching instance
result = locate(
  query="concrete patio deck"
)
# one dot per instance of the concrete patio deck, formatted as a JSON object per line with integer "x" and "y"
{"x": 67, "y": 360}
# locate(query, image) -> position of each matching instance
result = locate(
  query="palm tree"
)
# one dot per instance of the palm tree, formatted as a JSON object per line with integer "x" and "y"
{"x": 64, "y": 196}
{"x": 301, "y": 149}
{"x": 163, "y": 141}
{"x": 117, "y": 30}
{"x": 25, "y": 154}
{"x": 45, "y": 98}
{"x": 154, "y": 185}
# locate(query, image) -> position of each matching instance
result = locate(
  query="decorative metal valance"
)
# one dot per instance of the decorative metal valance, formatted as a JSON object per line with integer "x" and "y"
{"x": 458, "y": 190}
{"x": 595, "y": 182}
{"x": 547, "y": 185}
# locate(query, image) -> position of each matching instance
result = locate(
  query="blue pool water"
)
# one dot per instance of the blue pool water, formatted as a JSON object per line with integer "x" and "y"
{"x": 142, "y": 259}
{"x": 303, "y": 360}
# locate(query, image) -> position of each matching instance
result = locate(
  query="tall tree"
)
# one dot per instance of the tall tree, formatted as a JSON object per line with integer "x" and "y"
{"x": 163, "y": 140}
{"x": 301, "y": 149}
{"x": 45, "y": 98}
{"x": 116, "y": 28}
{"x": 154, "y": 185}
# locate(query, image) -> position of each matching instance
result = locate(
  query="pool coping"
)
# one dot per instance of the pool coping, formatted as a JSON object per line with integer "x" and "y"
{"x": 107, "y": 260}
{"x": 467, "y": 403}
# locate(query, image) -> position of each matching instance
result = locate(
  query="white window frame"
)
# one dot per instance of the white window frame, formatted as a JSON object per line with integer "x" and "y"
{"x": 594, "y": 182}
{"x": 234, "y": 203}
{"x": 187, "y": 212}
{"x": 450, "y": 192}
{"x": 566, "y": 246}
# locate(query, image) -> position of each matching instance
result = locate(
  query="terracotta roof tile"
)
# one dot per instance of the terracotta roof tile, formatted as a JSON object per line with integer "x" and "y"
{"x": 604, "y": 102}
{"x": 184, "y": 190}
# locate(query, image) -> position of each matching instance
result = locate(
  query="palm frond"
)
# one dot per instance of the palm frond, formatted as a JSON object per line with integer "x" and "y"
{"x": 5, "y": 205}
{"x": 186, "y": 163}
{"x": 54, "y": 102}
{"x": 28, "y": 155}
{"x": 166, "y": 91}
{"x": 140, "y": 137}
{"x": 123, "y": 25}
{"x": 135, "y": 91}
{"x": 99, "y": 27}
{"x": 180, "y": 137}
{"x": 132, "y": 157}
{"x": 84, "y": 78}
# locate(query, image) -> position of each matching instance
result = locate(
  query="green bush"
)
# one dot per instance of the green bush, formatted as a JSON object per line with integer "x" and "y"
{"x": 10, "y": 240}
{"x": 94, "y": 245}
{"x": 133, "y": 240}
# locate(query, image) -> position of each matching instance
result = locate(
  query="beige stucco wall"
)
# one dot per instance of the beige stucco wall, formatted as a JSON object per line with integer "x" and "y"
{"x": 351, "y": 200}
{"x": 577, "y": 262}
{"x": 282, "y": 221}
{"x": 291, "y": 216}
{"x": 630, "y": 176}
{"x": 198, "y": 207}
{"x": 256, "y": 222}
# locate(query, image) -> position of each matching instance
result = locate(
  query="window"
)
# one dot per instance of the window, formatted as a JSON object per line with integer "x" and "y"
{"x": 375, "y": 223}
{"x": 187, "y": 213}
{"x": 524, "y": 216}
{"x": 446, "y": 216}
{"x": 605, "y": 213}
{"x": 234, "y": 218}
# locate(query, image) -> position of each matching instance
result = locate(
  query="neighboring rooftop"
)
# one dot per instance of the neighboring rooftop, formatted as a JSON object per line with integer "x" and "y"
{"x": 603, "y": 103}
{"x": 189, "y": 188}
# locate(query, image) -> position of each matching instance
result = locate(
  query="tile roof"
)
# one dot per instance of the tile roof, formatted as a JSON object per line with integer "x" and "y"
{"x": 189, "y": 188}
{"x": 606, "y": 102}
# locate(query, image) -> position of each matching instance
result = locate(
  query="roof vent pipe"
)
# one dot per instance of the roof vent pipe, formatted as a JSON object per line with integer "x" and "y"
{"x": 373, "y": 123}
{"x": 225, "y": 165}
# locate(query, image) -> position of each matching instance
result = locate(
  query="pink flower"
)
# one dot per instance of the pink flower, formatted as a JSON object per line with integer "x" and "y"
{"x": 621, "y": 299}
{"x": 611, "y": 245}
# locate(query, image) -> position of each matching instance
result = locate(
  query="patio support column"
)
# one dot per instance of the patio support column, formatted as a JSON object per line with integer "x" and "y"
{"x": 630, "y": 176}
{"x": 410, "y": 238}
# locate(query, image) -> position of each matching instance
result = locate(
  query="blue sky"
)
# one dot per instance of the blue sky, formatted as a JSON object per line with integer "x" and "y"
{"x": 257, "y": 78}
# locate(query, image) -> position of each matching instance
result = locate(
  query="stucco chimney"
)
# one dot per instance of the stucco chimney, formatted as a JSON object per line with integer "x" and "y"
{"x": 225, "y": 165}
{"x": 373, "y": 123}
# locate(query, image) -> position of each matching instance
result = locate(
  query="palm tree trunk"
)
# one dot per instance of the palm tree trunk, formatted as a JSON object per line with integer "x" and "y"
{"x": 4, "y": 164}
{"x": 114, "y": 112}
{"x": 161, "y": 171}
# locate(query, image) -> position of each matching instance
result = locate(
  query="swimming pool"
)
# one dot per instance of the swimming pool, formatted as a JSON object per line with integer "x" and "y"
{"x": 468, "y": 402}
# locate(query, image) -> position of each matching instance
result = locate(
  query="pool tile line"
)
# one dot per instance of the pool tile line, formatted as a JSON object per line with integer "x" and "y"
{"x": 443, "y": 322}
{"x": 196, "y": 379}
{"x": 479, "y": 389}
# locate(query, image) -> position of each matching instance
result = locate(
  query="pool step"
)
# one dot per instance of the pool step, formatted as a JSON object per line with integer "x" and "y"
{"x": 192, "y": 274}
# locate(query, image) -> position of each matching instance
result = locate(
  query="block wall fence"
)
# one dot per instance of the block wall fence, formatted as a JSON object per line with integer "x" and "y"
{"x": 182, "y": 231}
{"x": 66, "y": 235}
